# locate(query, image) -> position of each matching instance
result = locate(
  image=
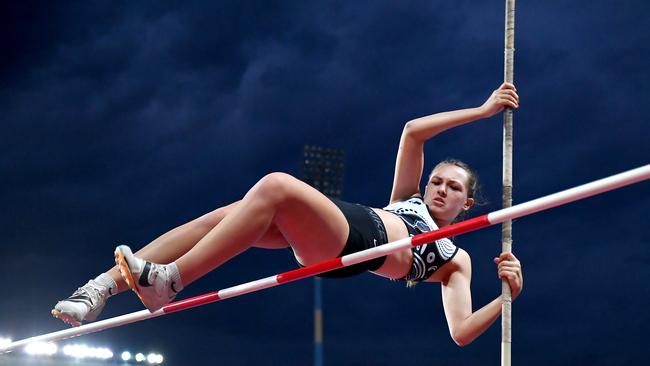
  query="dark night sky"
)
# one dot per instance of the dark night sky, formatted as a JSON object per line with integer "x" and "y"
{"x": 121, "y": 121}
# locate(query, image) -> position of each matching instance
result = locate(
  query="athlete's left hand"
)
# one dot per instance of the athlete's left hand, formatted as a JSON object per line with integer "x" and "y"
{"x": 509, "y": 268}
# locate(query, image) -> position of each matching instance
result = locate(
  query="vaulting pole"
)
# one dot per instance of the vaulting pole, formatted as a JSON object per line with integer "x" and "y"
{"x": 493, "y": 218}
{"x": 506, "y": 228}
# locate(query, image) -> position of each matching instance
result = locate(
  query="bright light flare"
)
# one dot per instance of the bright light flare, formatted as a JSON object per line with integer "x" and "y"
{"x": 83, "y": 351}
{"x": 41, "y": 348}
{"x": 154, "y": 358}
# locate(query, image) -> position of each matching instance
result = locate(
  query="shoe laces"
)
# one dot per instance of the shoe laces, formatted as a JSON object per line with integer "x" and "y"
{"x": 92, "y": 290}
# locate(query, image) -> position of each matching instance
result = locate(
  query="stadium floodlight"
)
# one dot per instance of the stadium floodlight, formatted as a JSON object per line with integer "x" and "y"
{"x": 83, "y": 351}
{"x": 104, "y": 353}
{"x": 126, "y": 356}
{"x": 76, "y": 351}
{"x": 72, "y": 350}
{"x": 5, "y": 342}
{"x": 41, "y": 348}
{"x": 154, "y": 358}
{"x": 140, "y": 357}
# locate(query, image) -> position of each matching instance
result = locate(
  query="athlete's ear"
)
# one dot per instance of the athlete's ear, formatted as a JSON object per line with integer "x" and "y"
{"x": 469, "y": 203}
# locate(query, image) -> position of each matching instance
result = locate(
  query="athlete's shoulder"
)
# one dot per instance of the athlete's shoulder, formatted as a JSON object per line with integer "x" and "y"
{"x": 462, "y": 260}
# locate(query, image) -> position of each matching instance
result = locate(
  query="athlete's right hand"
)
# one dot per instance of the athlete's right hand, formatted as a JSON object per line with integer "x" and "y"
{"x": 504, "y": 97}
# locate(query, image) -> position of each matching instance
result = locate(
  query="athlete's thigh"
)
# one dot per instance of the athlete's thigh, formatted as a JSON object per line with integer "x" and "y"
{"x": 311, "y": 223}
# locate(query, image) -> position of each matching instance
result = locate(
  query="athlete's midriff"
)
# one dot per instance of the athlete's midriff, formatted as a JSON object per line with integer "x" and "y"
{"x": 398, "y": 264}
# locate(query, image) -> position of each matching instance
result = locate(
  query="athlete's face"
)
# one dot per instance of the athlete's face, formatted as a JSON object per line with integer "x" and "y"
{"x": 446, "y": 193}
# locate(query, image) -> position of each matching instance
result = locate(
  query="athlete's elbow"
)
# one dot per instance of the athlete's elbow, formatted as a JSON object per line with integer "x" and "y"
{"x": 460, "y": 340}
{"x": 411, "y": 130}
{"x": 408, "y": 129}
{"x": 461, "y": 337}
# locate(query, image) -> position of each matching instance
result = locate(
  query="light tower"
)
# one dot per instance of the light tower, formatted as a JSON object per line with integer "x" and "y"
{"x": 323, "y": 169}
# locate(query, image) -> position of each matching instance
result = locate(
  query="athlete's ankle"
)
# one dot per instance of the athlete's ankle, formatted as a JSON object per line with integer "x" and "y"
{"x": 176, "y": 283}
{"x": 106, "y": 280}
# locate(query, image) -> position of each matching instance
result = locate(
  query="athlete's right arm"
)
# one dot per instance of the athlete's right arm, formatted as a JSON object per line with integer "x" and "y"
{"x": 409, "y": 164}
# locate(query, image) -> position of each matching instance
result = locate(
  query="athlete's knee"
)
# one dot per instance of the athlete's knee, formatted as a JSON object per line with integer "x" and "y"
{"x": 274, "y": 187}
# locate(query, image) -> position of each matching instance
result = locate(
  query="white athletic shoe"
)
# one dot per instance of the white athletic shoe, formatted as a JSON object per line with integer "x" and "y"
{"x": 85, "y": 304}
{"x": 155, "y": 284}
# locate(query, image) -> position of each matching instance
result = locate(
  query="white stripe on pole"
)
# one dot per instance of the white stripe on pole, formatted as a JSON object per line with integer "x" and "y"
{"x": 85, "y": 329}
{"x": 570, "y": 195}
{"x": 385, "y": 249}
{"x": 248, "y": 287}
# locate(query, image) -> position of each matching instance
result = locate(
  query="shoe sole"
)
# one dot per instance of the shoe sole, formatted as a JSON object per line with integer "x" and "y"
{"x": 125, "y": 271}
{"x": 65, "y": 318}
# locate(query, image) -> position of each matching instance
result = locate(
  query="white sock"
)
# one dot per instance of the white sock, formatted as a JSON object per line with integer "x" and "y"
{"x": 108, "y": 281}
{"x": 176, "y": 284}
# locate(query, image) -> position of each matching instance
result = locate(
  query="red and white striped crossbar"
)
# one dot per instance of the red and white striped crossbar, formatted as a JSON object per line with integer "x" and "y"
{"x": 496, "y": 217}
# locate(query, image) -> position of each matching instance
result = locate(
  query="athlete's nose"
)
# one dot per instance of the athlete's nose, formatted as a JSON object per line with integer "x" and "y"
{"x": 442, "y": 190}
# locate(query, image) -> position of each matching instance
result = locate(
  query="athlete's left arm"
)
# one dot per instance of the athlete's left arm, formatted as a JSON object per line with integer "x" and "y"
{"x": 465, "y": 325}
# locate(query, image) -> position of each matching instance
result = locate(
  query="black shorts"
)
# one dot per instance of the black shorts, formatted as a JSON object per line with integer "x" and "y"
{"x": 366, "y": 231}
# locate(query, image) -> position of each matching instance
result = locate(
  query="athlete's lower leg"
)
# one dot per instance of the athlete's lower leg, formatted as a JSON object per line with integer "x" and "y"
{"x": 87, "y": 302}
{"x": 176, "y": 242}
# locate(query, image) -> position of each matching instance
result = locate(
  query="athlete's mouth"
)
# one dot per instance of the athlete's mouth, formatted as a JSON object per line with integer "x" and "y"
{"x": 439, "y": 200}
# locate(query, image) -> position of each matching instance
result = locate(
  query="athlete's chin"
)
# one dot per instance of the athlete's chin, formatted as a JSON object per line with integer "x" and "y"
{"x": 441, "y": 215}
